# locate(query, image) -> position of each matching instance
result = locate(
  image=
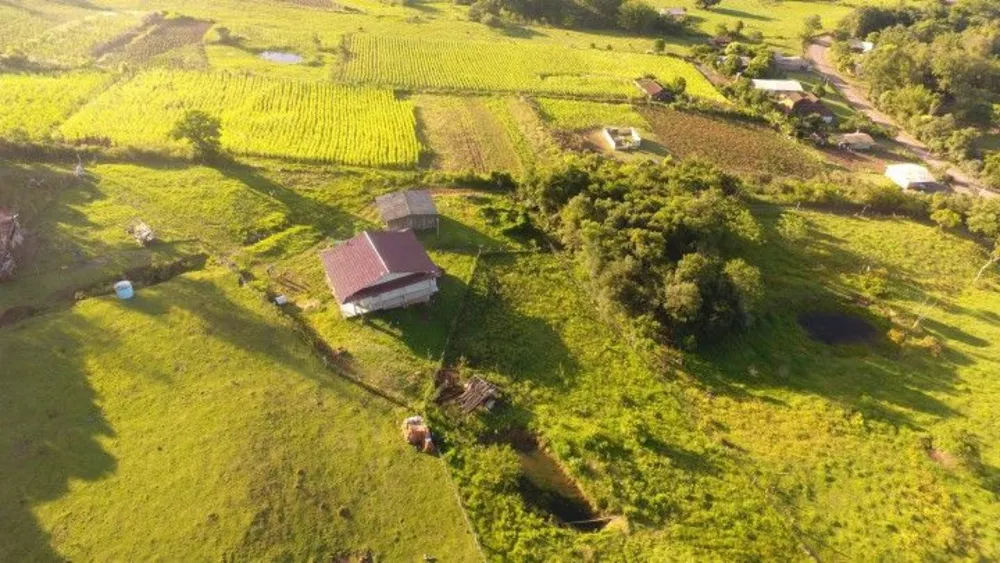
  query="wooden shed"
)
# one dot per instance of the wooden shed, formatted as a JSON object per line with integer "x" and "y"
{"x": 413, "y": 209}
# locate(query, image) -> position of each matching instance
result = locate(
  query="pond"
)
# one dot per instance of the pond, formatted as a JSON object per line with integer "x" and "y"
{"x": 837, "y": 328}
{"x": 281, "y": 57}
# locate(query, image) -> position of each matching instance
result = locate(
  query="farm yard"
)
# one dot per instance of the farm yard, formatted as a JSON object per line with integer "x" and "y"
{"x": 731, "y": 342}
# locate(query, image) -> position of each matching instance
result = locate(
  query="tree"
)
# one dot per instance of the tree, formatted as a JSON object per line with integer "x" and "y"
{"x": 991, "y": 169}
{"x": 946, "y": 218}
{"x": 637, "y": 16}
{"x": 202, "y": 131}
{"x": 706, "y": 4}
{"x": 810, "y": 27}
{"x": 659, "y": 45}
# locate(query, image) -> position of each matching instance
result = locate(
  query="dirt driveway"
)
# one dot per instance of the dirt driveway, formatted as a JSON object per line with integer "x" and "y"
{"x": 819, "y": 53}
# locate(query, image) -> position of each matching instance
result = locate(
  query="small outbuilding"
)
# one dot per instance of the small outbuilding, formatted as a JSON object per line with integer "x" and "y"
{"x": 778, "y": 86}
{"x": 855, "y": 141}
{"x": 803, "y": 104}
{"x": 912, "y": 177}
{"x": 790, "y": 64}
{"x": 622, "y": 138}
{"x": 380, "y": 270}
{"x": 677, "y": 14}
{"x": 859, "y": 45}
{"x": 653, "y": 90}
{"x": 412, "y": 209}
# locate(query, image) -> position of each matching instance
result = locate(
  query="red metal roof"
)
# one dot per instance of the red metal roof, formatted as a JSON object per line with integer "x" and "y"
{"x": 355, "y": 267}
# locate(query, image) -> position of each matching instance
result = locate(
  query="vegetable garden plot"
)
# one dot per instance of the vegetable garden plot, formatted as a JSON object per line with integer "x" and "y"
{"x": 260, "y": 116}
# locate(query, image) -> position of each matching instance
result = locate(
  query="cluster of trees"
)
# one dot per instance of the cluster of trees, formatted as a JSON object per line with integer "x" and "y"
{"x": 635, "y": 16}
{"x": 935, "y": 68}
{"x": 656, "y": 240}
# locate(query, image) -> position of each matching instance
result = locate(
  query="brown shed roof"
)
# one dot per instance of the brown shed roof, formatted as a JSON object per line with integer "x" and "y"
{"x": 398, "y": 205}
{"x": 356, "y": 267}
{"x": 649, "y": 86}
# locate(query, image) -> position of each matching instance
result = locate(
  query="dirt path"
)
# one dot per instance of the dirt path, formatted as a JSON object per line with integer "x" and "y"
{"x": 819, "y": 53}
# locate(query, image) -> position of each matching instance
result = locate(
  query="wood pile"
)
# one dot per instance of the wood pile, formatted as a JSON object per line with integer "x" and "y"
{"x": 478, "y": 392}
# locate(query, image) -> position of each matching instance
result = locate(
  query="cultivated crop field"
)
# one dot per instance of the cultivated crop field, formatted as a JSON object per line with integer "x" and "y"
{"x": 733, "y": 147}
{"x": 572, "y": 115}
{"x": 264, "y": 117}
{"x": 35, "y": 105}
{"x": 464, "y": 134}
{"x": 510, "y": 67}
{"x": 76, "y": 43}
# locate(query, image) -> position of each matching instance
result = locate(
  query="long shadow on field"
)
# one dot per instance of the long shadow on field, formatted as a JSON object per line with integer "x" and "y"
{"x": 50, "y": 425}
{"x": 459, "y": 238}
{"x": 301, "y": 210}
{"x": 880, "y": 380}
{"x": 491, "y": 335}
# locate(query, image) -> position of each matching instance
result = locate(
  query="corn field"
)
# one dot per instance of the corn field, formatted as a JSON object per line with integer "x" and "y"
{"x": 260, "y": 116}
{"x": 490, "y": 66}
{"x": 33, "y": 105}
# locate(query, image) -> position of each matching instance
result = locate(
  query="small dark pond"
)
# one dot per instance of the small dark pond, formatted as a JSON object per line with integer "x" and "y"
{"x": 281, "y": 58}
{"x": 837, "y": 328}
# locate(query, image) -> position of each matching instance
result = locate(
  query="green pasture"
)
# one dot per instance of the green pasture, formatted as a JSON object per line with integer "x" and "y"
{"x": 193, "y": 423}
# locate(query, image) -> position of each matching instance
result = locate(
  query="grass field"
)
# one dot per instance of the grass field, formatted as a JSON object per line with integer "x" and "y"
{"x": 463, "y": 133}
{"x": 193, "y": 423}
{"x": 76, "y": 42}
{"x": 298, "y": 120}
{"x": 511, "y": 67}
{"x": 733, "y": 147}
{"x": 832, "y": 439}
{"x": 35, "y": 105}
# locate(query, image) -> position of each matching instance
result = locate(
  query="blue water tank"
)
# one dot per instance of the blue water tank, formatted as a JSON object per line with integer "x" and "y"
{"x": 123, "y": 290}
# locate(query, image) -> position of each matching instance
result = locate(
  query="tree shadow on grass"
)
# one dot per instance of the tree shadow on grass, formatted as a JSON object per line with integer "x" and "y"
{"x": 880, "y": 380}
{"x": 50, "y": 425}
{"x": 301, "y": 210}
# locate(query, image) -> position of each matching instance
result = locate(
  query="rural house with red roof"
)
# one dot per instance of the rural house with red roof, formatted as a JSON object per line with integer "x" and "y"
{"x": 379, "y": 270}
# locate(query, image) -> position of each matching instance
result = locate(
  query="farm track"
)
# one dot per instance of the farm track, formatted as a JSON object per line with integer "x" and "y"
{"x": 819, "y": 53}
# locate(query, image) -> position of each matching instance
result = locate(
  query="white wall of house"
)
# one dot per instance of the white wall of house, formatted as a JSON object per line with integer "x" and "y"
{"x": 419, "y": 292}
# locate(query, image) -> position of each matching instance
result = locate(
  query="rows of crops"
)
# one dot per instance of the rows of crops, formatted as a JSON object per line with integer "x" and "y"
{"x": 511, "y": 67}
{"x": 74, "y": 43}
{"x": 32, "y": 106}
{"x": 576, "y": 114}
{"x": 264, "y": 117}
{"x": 736, "y": 148}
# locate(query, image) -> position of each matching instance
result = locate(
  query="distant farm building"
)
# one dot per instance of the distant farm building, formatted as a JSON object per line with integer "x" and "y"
{"x": 676, "y": 14}
{"x": 859, "y": 45}
{"x": 11, "y": 237}
{"x": 790, "y": 64}
{"x": 379, "y": 270}
{"x": 412, "y": 209}
{"x": 802, "y": 104}
{"x": 622, "y": 138}
{"x": 721, "y": 41}
{"x": 912, "y": 177}
{"x": 855, "y": 141}
{"x": 778, "y": 86}
{"x": 653, "y": 90}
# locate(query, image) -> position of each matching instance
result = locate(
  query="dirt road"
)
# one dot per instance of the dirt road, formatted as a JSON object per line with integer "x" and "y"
{"x": 819, "y": 53}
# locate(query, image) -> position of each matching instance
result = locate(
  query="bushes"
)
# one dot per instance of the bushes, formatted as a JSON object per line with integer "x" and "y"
{"x": 653, "y": 240}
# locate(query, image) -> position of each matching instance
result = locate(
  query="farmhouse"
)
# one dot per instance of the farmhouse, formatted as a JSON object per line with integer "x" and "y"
{"x": 653, "y": 90}
{"x": 778, "y": 86}
{"x": 855, "y": 141}
{"x": 802, "y": 104}
{"x": 379, "y": 270}
{"x": 622, "y": 138}
{"x": 676, "y": 14}
{"x": 782, "y": 62}
{"x": 10, "y": 238}
{"x": 412, "y": 209}
{"x": 912, "y": 177}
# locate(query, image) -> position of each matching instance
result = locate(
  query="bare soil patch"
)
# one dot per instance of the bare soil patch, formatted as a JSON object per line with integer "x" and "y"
{"x": 165, "y": 36}
{"x": 837, "y": 328}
